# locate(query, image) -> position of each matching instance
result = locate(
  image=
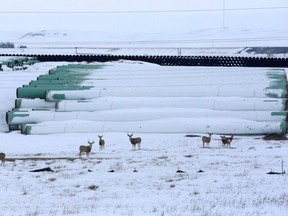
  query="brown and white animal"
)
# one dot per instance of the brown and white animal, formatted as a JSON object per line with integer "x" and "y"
{"x": 134, "y": 141}
{"x": 206, "y": 140}
{"x": 101, "y": 142}
{"x": 86, "y": 149}
{"x": 2, "y": 158}
{"x": 231, "y": 138}
{"x": 226, "y": 141}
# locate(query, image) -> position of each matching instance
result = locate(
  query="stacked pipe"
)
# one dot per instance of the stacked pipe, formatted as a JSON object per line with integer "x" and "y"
{"x": 98, "y": 98}
{"x": 19, "y": 61}
{"x": 171, "y": 60}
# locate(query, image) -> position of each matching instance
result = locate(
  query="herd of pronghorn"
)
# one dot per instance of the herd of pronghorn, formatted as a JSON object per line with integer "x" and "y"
{"x": 226, "y": 142}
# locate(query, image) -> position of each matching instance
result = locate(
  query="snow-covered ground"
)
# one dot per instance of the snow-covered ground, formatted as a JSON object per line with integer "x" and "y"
{"x": 233, "y": 181}
{"x": 213, "y": 42}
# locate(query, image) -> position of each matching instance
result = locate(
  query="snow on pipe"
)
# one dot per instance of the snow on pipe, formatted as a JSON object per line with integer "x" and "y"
{"x": 206, "y": 75}
{"x": 155, "y": 79}
{"x": 259, "y": 91}
{"x": 142, "y": 114}
{"x": 270, "y": 79}
{"x": 156, "y": 71}
{"x": 172, "y": 125}
{"x": 190, "y": 77}
{"x": 162, "y": 81}
{"x": 216, "y": 103}
{"x": 33, "y": 103}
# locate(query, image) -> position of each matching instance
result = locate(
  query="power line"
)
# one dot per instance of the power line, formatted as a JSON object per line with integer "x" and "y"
{"x": 144, "y": 11}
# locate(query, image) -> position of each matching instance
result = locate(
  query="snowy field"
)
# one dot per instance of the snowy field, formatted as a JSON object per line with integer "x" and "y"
{"x": 144, "y": 182}
{"x": 234, "y": 180}
{"x": 212, "y": 42}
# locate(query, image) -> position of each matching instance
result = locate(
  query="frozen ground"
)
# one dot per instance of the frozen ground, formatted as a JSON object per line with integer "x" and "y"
{"x": 233, "y": 181}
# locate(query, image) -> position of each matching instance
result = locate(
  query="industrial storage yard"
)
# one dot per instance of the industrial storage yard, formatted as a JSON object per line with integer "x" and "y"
{"x": 172, "y": 173}
{"x": 158, "y": 108}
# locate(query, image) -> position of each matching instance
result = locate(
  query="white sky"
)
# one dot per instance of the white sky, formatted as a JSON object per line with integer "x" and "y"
{"x": 110, "y": 16}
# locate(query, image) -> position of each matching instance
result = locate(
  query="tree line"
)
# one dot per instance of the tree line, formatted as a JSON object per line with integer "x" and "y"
{"x": 7, "y": 45}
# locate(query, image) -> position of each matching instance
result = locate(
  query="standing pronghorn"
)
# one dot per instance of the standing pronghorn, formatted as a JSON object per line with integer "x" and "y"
{"x": 101, "y": 142}
{"x": 134, "y": 141}
{"x": 206, "y": 140}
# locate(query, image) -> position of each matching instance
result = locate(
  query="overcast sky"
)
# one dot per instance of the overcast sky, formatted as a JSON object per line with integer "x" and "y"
{"x": 151, "y": 16}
